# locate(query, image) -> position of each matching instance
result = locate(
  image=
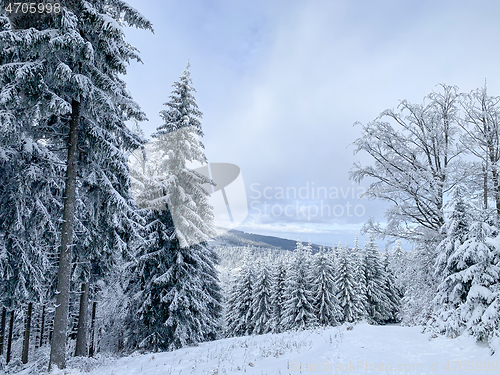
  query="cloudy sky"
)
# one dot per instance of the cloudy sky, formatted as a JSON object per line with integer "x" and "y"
{"x": 281, "y": 84}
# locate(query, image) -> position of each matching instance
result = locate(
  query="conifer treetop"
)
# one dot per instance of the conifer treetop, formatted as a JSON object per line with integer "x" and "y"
{"x": 182, "y": 110}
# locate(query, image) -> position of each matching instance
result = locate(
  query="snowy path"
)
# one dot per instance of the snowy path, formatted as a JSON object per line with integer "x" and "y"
{"x": 406, "y": 349}
{"x": 332, "y": 351}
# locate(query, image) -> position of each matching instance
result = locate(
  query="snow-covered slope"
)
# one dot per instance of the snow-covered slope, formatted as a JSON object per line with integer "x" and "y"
{"x": 381, "y": 349}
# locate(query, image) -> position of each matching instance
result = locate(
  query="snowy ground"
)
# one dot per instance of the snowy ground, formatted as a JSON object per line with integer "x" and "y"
{"x": 364, "y": 349}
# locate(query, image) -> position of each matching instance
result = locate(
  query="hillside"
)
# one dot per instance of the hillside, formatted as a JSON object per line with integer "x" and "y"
{"x": 363, "y": 349}
{"x": 240, "y": 238}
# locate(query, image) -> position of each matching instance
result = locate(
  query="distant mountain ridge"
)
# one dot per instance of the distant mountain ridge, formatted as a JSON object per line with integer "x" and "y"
{"x": 239, "y": 238}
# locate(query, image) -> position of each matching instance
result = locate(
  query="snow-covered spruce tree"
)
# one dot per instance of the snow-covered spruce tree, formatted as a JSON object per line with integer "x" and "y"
{"x": 279, "y": 300}
{"x": 337, "y": 250}
{"x": 263, "y": 298}
{"x": 31, "y": 201}
{"x": 308, "y": 252}
{"x": 188, "y": 287}
{"x": 468, "y": 294}
{"x": 345, "y": 285}
{"x": 451, "y": 292}
{"x": 63, "y": 70}
{"x": 379, "y": 305}
{"x": 420, "y": 290}
{"x": 357, "y": 258}
{"x": 398, "y": 265}
{"x": 325, "y": 303}
{"x": 393, "y": 293}
{"x": 239, "y": 303}
{"x": 31, "y": 186}
{"x": 491, "y": 321}
{"x": 299, "y": 311}
{"x": 478, "y": 281}
{"x": 177, "y": 141}
{"x": 398, "y": 255}
{"x": 456, "y": 230}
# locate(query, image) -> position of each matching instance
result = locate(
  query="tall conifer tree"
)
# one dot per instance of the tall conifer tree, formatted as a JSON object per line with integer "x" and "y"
{"x": 63, "y": 70}
{"x": 186, "y": 286}
{"x": 326, "y": 305}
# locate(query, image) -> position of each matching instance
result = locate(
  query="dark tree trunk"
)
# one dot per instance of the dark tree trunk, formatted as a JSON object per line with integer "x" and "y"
{"x": 2, "y": 329}
{"x": 92, "y": 329}
{"x": 58, "y": 347}
{"x": 27, "y": 331}
{"x": 81, "y": 337}
{"x": 42, "y": 325}
{"x": 11, "y": 331}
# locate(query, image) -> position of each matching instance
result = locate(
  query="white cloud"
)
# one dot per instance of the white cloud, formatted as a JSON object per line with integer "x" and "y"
{"x": 294, "y": 228}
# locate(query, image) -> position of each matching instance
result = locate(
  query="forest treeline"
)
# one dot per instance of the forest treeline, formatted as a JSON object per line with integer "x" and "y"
{"x": 104, "y": 235}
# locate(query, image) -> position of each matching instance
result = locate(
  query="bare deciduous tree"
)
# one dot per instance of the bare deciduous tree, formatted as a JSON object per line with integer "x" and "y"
{"x": 414, "y": 150}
